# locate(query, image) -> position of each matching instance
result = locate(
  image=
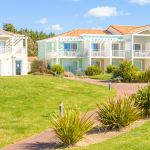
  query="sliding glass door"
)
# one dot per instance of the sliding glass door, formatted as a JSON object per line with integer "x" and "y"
{"x": 70, "y": 66}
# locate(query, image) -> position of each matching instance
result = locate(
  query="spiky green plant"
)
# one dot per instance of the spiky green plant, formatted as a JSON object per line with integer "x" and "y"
{"x": 118, "y": 113}
{"x": 71, "y": 127}
{"x": 142, "y": 98}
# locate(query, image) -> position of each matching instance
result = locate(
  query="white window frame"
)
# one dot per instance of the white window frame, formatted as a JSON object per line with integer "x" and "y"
{"x": 71, "y": 60}
{"x": 138, "y": 61}
{"x": 70, "y": 45}
{"x": 140, "y": 45}
{"x": 99, "y": 46}
{"x": 96, "y": 60}
{"x": 116, "y": 43}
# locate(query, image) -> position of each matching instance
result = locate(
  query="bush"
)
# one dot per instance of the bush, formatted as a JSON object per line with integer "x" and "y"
{"x": 93, "y": 70}
{"x": 58, "y": 69}
{"x": 142, "y": 76}
{"x": 117, "y": 80}
{"x": 68, "y": 74}
{"x": 36, "y": 64}
{"x": 126, "y": 70}
{"x": 142, "y": 98}
{"x": 71, "y": 127}
{"x": 110, "y": 68}
{"x": 118, "y": 113}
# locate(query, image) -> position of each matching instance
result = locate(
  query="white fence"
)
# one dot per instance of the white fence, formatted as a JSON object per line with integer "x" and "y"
{"x": 141, "y": 53}
{"x": 121, "y": 53}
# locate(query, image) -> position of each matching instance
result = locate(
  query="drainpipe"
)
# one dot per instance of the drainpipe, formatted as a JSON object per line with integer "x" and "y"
{"x": 132, "y": 48}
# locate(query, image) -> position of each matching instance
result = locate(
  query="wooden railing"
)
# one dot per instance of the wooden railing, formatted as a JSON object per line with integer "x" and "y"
{"x": 121, "y": 53}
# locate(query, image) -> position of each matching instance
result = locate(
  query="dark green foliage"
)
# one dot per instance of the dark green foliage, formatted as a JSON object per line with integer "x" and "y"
{"x": 32, "y": 37}
{"x": 142, "y": 98}
{"x": 118, "y": 113}
{"x": 126, "y": 70}
{"x": 71, "y": 127}
{"x": 110, "y": 68}
{"x": 58, "y": 69}
{"x": 93, "y": 70}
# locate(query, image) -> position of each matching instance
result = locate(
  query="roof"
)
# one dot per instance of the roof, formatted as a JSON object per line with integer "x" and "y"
{"x": 32, "y": 58}
{"x": 123, "y": 29}
{"x": 78, "y": 32}
{"x": 128, "y": 29}
{"x": 11, "y": 33}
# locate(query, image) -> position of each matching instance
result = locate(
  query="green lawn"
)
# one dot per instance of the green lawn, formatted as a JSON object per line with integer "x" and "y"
{"x": 102, "y": 76}
{"x": 26, "y": 100}
{"x": 136, "y": 139}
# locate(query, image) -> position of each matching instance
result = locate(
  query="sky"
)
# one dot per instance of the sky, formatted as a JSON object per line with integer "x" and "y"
{"x": 60, "y": 16}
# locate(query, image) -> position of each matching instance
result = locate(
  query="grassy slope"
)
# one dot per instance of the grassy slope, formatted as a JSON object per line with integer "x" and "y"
{"x": 25, "y": 100}
{"x": 102, "y": 76}
{"x": 136, "y": 139}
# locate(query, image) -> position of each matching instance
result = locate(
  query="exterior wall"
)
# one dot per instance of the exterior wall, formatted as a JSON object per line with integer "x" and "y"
{"x": 8, "y": 64}
{"x": 41, "y": 51}
{"x": 103, "y": 36}
{"x": 106, "y": 62}
{"x": 147, "y": 63}
{"x": 141, "y": 40}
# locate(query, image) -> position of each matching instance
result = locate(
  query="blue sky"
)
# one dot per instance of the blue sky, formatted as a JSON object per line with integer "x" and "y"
{"x": 60, "y": 16}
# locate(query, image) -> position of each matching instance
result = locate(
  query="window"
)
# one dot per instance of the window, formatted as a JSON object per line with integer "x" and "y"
{"x": 96, "y": 63}
{"x": 115, "y": 63}
{"x": 138, "y": 64}
{"x": 2, "y": 43}
{"x": 136, "y": 46}
{"x": 70, "y": 46}
{"x": 115, "y": 46}
{"x": 95, "y": 47}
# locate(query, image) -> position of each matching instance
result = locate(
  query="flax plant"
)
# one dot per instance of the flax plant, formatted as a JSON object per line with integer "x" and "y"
{"x": 118, "y": 113}
{"x": 71, "y": 127}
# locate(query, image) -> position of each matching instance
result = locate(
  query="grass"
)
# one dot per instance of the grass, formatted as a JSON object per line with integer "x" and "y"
{"x": 25, "y": 101}
{"x": 102, "y": 76}
{"x": 136, "y": 139}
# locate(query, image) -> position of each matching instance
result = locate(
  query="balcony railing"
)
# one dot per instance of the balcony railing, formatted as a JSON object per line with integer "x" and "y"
{"x": 141, "y": 53}
{"x": 100, "y": 53}
{"x": 8, "y": 50}
{"x": 121, "y": 53}
{"x": 5, "y": 49}
{"x": 51, "y": 54}
{"x": 72, "y": 53}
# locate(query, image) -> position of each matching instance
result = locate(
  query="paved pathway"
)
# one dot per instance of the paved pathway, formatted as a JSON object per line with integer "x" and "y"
{"x": 45, "y": 139}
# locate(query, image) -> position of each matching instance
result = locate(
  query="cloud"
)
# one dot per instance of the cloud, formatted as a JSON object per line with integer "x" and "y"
{"x": 54, "y": 27}
{"x": 102, "y": 12}
{"x": 97, "y": 28}
{"x": 90, "y": 21}
{"x": 140, "y": 2}
{"x": 76, "y": 15}
{"x": 44, "y": 20}
{"x": 127, "y": 14}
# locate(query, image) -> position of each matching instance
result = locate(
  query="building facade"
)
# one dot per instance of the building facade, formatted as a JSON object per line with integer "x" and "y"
{"x": 77, "y": 49}
{"x": 13, "y": 55}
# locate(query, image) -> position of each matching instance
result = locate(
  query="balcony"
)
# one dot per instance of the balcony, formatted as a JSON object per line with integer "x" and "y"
{"x": 121, "y": 53}
{"x": 8, "y": 50}
{"x": 72, "y": 53}
{"x": 100, "y": 53}
{"x": 141, "y": 53}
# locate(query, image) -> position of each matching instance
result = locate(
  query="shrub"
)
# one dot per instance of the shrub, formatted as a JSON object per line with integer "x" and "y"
{"x": 117, "y": 80}
{"x": 126, "y": 70}
{"x": 118, "y": 113}
{"x": 37, "y": 64}
{"x": 71, "y": 127}
{"x": 68, "y": 74}
{"x": 93, "y": 70}
{"x": 58, "y": 69}
{"x": 110, "y": 68}
{"x": 142, "y": 98}
{"x": 142, "y": 76}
